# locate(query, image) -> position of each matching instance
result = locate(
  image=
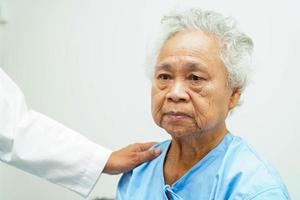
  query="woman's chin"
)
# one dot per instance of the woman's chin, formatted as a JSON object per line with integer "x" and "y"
{"x": 180, "y": 132}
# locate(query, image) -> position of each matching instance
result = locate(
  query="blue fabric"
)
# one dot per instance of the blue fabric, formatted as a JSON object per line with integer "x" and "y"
{"x": 232, "y": 170}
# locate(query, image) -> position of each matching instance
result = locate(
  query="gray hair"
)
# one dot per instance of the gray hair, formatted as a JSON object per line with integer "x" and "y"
{"x": 236, "y": 47}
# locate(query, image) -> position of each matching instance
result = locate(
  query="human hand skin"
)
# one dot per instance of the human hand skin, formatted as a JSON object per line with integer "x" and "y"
{"x": 127, "y": 158}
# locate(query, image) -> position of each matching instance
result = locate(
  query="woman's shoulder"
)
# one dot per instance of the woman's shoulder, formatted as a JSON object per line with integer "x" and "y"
{"x": 146, "y": 166}
{"x": 242, "y": 155}
{"x": 147, "y": 173}
{"x": 248, "y": 169}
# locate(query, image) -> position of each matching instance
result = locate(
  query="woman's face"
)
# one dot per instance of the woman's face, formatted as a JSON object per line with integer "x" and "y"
{"x": 190, "y": 92}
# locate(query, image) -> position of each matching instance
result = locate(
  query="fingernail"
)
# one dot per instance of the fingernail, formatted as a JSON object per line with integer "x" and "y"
{"x": 157, "y": 151}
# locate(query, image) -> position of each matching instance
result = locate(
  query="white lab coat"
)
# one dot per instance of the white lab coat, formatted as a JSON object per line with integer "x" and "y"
{"x": 41, "y": 146}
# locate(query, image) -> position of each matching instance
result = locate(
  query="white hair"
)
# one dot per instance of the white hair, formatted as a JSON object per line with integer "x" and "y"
{"x": 236, "y": 47}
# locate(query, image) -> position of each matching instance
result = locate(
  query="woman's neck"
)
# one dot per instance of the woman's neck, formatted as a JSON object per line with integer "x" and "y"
{"x": 185, "y": 152}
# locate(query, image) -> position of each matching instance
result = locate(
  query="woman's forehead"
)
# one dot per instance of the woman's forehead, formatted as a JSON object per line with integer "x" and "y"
{"x": 194, "y": 50}
{"x": 191, "y": 43}
{"x": 192, "y": 46}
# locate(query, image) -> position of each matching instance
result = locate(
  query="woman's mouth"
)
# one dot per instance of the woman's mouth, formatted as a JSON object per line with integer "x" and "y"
{"x": 175, "y": 116}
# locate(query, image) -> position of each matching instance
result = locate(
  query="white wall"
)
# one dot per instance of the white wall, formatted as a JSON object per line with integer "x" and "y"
{"x": 80, "y": 62}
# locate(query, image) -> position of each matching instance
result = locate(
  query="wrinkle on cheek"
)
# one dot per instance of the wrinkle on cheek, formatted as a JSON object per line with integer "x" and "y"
{"x": 201, "y": 118}
{"x": 157, "y": 104}
{"x": 201, "y": 103}
{"x": 161, "y": 86}
{"x": 203, "y": 90}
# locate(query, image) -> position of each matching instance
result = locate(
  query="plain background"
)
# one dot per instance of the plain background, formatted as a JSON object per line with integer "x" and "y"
{"x": 81, "y": 63}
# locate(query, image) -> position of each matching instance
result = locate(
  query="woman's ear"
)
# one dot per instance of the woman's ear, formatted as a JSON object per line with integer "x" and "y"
{"x": 234, "y": 99}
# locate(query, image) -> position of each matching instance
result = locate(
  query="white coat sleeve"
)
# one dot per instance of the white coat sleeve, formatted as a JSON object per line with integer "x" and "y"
{"x": 41, "y": 146}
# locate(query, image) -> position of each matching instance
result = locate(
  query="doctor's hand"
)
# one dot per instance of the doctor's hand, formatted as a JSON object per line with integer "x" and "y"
{"x": 129, "y": 157}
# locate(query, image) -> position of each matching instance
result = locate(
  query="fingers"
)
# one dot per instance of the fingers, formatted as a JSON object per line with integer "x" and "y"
{"x": 145, "y": 146}
{"x": 127, "y": 158}
{"x": 148, "y": 155}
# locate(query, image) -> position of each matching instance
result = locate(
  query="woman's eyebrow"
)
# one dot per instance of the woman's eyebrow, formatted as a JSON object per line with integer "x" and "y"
{"x": 164, "y": 66}
{"x": 195, "y": 66}
{"x": 191, "y": 66}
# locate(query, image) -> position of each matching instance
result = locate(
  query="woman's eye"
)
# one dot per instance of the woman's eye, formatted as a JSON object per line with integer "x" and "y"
{"x": 164, "y": 77}
{"x": 194, "y": 77}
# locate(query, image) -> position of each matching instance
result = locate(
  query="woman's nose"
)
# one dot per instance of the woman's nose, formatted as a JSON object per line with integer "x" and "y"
{"x": 178, "y": 93}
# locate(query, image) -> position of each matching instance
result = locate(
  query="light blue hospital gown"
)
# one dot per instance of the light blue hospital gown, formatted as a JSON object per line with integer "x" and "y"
{"x": 231, "y": 171}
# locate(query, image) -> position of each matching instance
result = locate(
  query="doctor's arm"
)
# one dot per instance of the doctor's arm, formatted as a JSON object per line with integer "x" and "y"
{"x": 41, "y": 146}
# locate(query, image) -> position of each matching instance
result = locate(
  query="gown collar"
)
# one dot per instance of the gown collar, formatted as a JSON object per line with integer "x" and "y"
{"x": 221, "y": 147}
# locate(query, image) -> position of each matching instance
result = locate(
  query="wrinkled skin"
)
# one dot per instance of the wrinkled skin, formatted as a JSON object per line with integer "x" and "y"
{"x": 191, "y": 98}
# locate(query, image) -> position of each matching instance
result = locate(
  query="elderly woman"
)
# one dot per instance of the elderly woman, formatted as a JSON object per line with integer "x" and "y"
{"x": 200, "y": 72}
